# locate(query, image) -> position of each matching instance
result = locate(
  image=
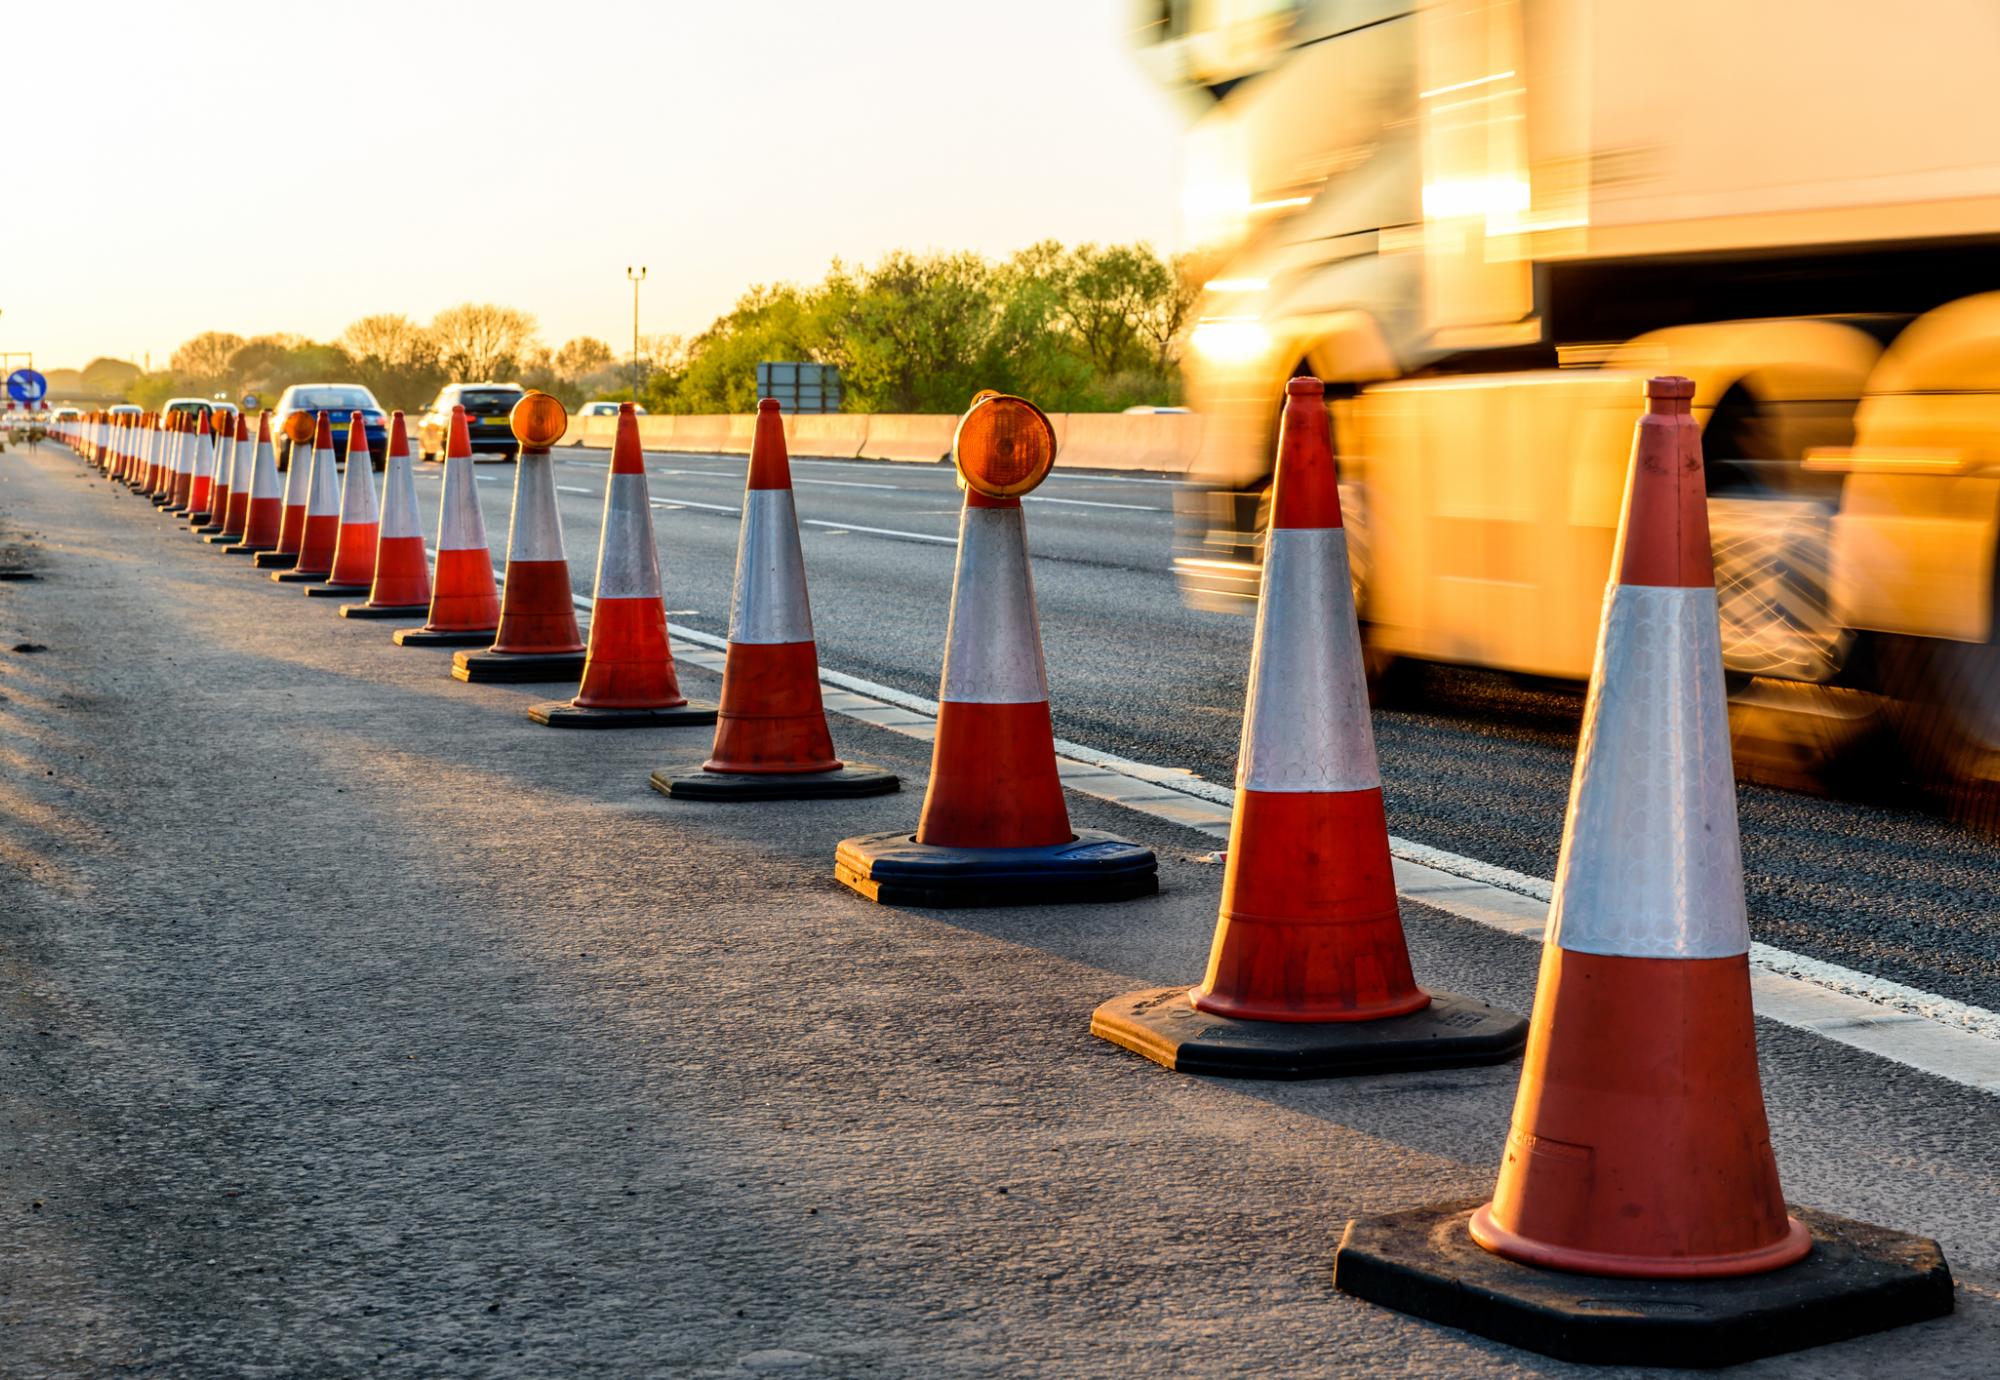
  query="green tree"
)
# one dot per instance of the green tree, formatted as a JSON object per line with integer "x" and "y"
{"x": 396, "y": 358}
{"x": 108, "y": 378}
{"x": 204, "y": 360}
{"x": 481, "y": 342}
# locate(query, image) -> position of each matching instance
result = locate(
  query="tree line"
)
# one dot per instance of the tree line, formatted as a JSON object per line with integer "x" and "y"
{"x": 1082, "y": 329}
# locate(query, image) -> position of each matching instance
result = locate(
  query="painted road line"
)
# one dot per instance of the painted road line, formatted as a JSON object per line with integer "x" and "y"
{"x": 1934, "y": 1034}
{"x": 690, "y": 503}
{"x": 587, "y": 493}
{"x": 844, "y": 483}
{"x": 1091, "y": 503}
{"x": 880, "y": 531}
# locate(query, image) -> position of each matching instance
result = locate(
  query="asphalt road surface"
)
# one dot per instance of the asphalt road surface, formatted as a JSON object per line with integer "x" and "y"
{"x": 352, "y": 1024}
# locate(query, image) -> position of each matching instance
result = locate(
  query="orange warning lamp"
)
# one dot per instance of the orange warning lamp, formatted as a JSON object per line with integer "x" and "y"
{"x": 1004, "y": 446}
{"x": 538, "y": 421}
{"x": 299, "y": 427}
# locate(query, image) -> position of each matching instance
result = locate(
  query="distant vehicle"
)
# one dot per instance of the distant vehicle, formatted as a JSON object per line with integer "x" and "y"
{"x": 486, "y": 407}
{"x": 601, "y": 408}
{"x": 126, "y": 410}
{"x": 215, "y": 411}
{"x": 337, "y": 400}
{"x": 1146, "y": 410}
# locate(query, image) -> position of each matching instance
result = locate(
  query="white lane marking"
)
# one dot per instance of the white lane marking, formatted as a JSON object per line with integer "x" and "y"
{"x": 587, "y": 493}
{"x": 690, "y": 503}
{"x": 1091, "y": 503}
{"x": 1110, "y": 478}
{"x": 881, "y": 531}
{"x": 844, "y": 483}
{"x": 726, "y": 474}
{"x": 1922, "y": 1030}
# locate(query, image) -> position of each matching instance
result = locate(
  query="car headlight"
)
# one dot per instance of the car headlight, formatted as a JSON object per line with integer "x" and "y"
{"x": 1230, "y": 339}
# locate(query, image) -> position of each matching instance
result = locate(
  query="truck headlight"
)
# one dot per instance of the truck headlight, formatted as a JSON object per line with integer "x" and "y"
{"x": 1230, "y": 339}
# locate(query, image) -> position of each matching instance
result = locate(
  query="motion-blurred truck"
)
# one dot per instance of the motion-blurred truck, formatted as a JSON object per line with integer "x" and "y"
{"x": 1483, "y": 222}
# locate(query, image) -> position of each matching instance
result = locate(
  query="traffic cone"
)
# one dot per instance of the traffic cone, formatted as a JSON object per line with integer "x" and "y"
{"x": 219, "y": 484}
{"x": 1638, "y": 1216}
{"x": 538, "y": 637}
{"x": 322, "y": 516}
{"x": 994, "y": 828}
{"x": 193, "y": 477}
{"x": 201, "y": 490}
{"x": 146, "y": 479}
{"x": 242, "y": 467}
{"x": 771, "y": 741}
{"x": 628, "y": 671}
{"x": 465, "y": 603}
{"x": 167, "y": 496}
{"x": 298, "y": 491}
{"x": 402, "y": 575}
{"x": 264, "y": 513}
{"x": 1308, "y": 975}
{"x": 360, "y": 521}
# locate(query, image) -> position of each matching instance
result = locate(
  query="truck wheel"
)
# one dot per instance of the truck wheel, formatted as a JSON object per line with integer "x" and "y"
{"x": 1946, "y": 712}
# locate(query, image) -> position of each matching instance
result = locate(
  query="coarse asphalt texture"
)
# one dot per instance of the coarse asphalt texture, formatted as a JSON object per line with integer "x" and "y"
{"x": 353, "y": 1024}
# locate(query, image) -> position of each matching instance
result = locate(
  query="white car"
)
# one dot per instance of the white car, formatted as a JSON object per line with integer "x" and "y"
{"x": 601, "y": 408}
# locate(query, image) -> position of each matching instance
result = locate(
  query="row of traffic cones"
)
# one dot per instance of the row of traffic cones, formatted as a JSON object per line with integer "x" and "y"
{"x": 1638, "y": 1215}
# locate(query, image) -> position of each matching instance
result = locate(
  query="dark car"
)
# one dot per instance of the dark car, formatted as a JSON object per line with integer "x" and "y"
{"x": 338, "y": 401}
{"x": 486, "y": 407}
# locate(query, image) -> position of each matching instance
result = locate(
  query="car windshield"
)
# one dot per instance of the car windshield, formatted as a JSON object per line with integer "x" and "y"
{"x": 334, "y": 400}
{"x": 482, "y": 398}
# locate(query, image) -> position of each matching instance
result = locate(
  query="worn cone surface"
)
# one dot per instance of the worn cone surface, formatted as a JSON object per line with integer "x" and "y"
{"x": 1637, "y": 1217}
{"x": 321, "y": 527}
{"x": 994, "y": 829}
{"x": 263, "y": 515}
{"x": 465, "y": 601}
{"x": 771, "y": 737}
{"x": 1309, "y": 943}
{"x": 402, "y": 582}
{"x": 201, "y": 470}
{"x": 1639, "y": 1144}
{"x": 360, "y": 520}
{"x": 242, "y": 472}
{"x": 538, "y": 638}
{"x": 216, "y": 508}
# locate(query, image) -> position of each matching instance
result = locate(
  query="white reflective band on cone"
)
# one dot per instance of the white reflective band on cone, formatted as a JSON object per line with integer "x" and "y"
{"x": 357, "y": 492}
{"x": 536, "y": 534}
{"x": 461, "y": 527}
{"x": 264, "y": 471}
{"x": 399, "y": 500}
{"x": 324, "y": 498}
{"x": 201, "y": 463}
{"x": 993, "y": 648}
{"x": 768, "y": 605}
{"x": 1650, "y": 862}
{"x": 225, "y": 462}
{"x": 1305, "y": 714}
{"x": 297, "y": 476}
{"x": 628, "y": 563}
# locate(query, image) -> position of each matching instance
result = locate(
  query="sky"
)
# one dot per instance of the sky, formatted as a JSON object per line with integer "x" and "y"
{"x": 260, "y": 168}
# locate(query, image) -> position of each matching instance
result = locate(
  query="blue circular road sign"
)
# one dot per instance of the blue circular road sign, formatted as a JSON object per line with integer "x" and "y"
{"x": 249, "y": 401}
{"x": 25, "y": 385}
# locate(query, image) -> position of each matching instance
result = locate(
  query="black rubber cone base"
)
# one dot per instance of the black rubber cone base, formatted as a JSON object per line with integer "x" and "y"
{"x": 334, "y": 591}
{"x": 276, "y": 560}
{"x": 563, "y": 714}
{"x": 1451, "y": 1032}
{"x": 296, "y": 576}
{"x": 386, "y": 611}
{"x": 898, "y": 871}
{"x": 223, "y": 538}
{"x": 1858, "y": 1279}
{"x": 239, "y": 548}
{"x": 517, "y": 667}
{"x": 433, "y": 637}
{"x": 845, "y": 782}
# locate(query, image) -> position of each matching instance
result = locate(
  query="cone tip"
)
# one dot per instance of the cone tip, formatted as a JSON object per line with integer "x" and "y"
{"x": 1305, "y": 386}
{"x": 1669, "y": 386}
{"x": 767, "y": 405}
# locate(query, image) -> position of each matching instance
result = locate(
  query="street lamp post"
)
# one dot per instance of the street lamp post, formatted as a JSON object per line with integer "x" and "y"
{"x": 636, "y": 279}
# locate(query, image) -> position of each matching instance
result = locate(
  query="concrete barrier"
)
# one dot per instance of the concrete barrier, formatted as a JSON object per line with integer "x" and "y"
{"x": 1160, "y": 442}
{"x": 903, "y": 436}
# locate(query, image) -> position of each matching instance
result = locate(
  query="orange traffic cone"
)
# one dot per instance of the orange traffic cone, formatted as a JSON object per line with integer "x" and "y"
{"x": 465, "y": 603}
{"x": 402, "y": 583}
{"x": 214, "y": 504}
{"x": 242, "y": 468}
{"x": 538, "y": 637}
{"x": 1639, "y": 1169}
{"x": 147, "y": 479}
{"x": 301, "y": 431}
{"x": 1309, "y": 975}
{"x": 207, "y": 473}
{"x": 264, "y": 513}
{"x": 171, "y": 497}
{"x": 995, "y": 829}
{"x": 771, "y": 740}
{"x": 322, "y": 515}
{"x": 360, "y": 521}
{"x": 628, "y": 672}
